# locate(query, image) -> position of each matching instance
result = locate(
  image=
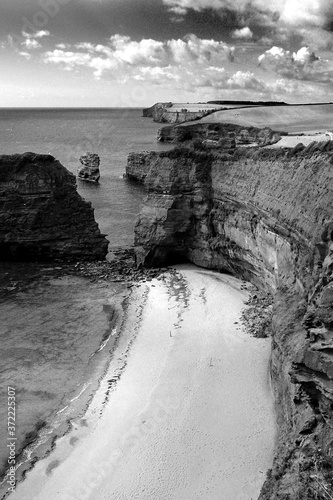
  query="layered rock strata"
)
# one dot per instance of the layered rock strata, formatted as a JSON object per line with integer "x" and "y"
{"x": 219, "y": 132}
{"x": 42, "y": 217}
{"x": 89, "y": 169}
{"x": 265, "y": 215}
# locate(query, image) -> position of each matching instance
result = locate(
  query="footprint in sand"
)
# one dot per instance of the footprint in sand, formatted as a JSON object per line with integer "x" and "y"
{"x": 52, "y": 466}
{"x": 73, "y": 440}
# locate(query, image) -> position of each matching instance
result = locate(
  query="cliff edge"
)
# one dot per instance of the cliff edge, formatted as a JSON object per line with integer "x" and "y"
{"x": 265, "y": 215}
{"x": 42, "y": 217}
{"x": 169, "y": 112}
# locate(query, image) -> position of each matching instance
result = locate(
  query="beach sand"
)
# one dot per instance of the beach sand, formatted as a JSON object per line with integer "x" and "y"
{"x": 290, "y": 141}
{"x": 185, "y": 410}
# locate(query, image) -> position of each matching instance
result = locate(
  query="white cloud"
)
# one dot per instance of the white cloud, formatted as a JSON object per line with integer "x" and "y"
{"x": 300, "y": 12}
{"x": 37, "y": 34}
{"x": 147, "y": 51}
{"x": 157, "y": 75}
{"x": 305, "y": 56}
{"x": 243, "y": 33}
{"x": 27, "y": 55}
{"x": 301, "y": 65}
{"x": 69, "y": 59}
{"x": 220, "y": 79}
{"x": 194, "y": 65}
{"x": 126, "y": 58}
{"x": 245, "y": 80}
{"x": 30, "y": 43}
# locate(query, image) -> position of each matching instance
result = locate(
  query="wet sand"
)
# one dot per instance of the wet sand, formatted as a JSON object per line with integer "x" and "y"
{"x": 185, "y": 411}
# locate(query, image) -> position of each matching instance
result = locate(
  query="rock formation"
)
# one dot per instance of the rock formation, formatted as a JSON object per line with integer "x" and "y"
{"x": 89, "y": 169}
{"x": 219, "y": 131}
{"x": 265, "y": 215}
{"x": 156, "y": 111}
{"x": 42, "y": 217}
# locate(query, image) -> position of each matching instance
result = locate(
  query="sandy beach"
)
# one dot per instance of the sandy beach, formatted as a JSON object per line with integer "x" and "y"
{"x": 290, "y": 141}
{"x": 185, "y": 410}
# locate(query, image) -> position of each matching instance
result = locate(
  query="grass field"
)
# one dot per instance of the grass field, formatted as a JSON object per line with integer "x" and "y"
{"x": 291, "y": 119}
{"x": 195, "y": 107}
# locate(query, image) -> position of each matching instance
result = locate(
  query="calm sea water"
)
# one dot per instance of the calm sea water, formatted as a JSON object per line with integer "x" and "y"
{"x": 69, "y": 133}
{"x": 55, "y": 331}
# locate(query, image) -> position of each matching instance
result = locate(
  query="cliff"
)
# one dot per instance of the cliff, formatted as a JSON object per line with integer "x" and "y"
{"x": 156, "y": 111}
{"x": 265, "y": 215}
{"x": 42, "y": 217}
{"x": 242, "y": 135}
{"x": 168, "y": 112}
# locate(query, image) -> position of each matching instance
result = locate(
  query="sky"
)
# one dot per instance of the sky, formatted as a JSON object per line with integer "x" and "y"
{"x": 115, "y": 53}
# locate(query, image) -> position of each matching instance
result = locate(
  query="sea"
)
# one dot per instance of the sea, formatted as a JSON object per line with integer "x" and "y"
{"x": 57, "y": 329}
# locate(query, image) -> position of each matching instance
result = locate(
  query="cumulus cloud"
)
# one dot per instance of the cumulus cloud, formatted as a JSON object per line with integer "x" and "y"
{"x": 31, "y": 43}
{"x": 246, "y": 80}
{"x": 243, "y": 33}
{"x": 24, "y": 42}
{"x": 128, "y": 57}
{"x": 195, "y": 65}
{"x": 302, "y": 65}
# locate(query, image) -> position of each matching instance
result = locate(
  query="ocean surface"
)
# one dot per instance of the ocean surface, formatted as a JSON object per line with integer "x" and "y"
{"x": 68, "y": 133}
{"x": 57, "y": 329}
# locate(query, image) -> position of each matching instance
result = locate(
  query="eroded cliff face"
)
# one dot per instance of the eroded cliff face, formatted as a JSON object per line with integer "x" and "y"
{"x": 267, "y": 216}
{"x": 42, "y": 217}
{"x": 221, "y": 132}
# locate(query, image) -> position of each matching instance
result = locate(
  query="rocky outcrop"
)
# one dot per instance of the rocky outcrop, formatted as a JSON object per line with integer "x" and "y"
{"x": 219, "y": 132}
{"x": 42, "y": 217}
{"x": 137, "y": 166}
{"x": 265, "y": 215}
{"x": 89, "y": 169}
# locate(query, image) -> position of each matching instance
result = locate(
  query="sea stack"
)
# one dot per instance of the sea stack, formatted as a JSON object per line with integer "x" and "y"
{"x": 89, "y": 169}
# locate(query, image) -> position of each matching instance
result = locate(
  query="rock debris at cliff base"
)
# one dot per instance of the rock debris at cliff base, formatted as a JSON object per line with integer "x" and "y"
{"x": 258, "y": 315}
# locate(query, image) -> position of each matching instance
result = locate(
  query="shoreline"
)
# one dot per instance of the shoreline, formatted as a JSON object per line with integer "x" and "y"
{"x": 97, "y": 308}
{"x": 112, "y": 279}
{"x": 163, "y": 419}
